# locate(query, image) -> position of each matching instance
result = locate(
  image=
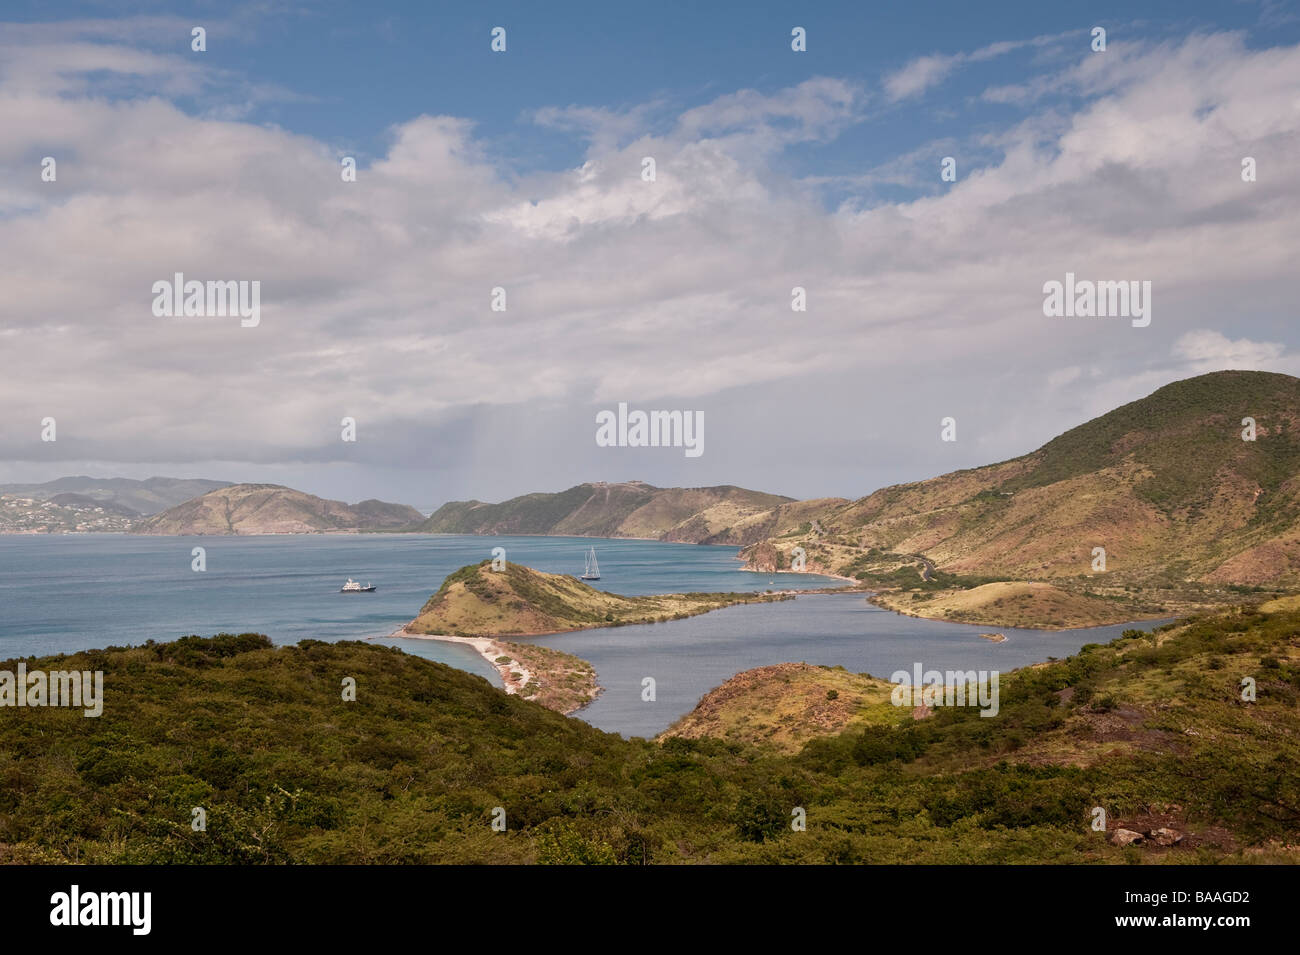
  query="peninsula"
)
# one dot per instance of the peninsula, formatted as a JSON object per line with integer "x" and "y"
{"x": 479, "y": 606}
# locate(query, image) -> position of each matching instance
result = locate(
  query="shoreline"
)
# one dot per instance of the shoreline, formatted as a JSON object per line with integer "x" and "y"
{"x": 516, "y": 676}
{"x": 402, "y": 533}
{"x": 486, "y": 647}
{"x": 992, "y": 625}
{"x": 492, "y": 649}
{"x": 805, "y": 573}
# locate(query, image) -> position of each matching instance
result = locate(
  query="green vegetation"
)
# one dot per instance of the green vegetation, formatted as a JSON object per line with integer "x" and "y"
{"x": 1021, "y": 604}
{"x": 558, "y": 681}
{"x": 876, "y": 568}
{"x": 528, "y": 514}
{"x": 630, "y": 509}
{"x": 1184, "y": 424}
{"x": 260, "y": 737}
{"x": 784, "y": 705}
{"x": 1165, "y": 485}
{"x": 477, "y": 601}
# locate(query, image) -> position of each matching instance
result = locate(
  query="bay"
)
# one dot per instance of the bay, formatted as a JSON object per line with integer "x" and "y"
{"x": 62, "y": 593}
{"x": 65, "y": 592}
{"x": 687, "y": 658}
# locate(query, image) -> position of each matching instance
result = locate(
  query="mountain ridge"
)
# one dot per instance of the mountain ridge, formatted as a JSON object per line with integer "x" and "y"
{"x": 141, "y": 497}
{"x": 633, "y": 509}
{"x": 1166, "y": 485}
{"x": 250, "y": 509}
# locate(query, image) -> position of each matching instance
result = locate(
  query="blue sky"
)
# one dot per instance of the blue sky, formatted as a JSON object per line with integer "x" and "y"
{"x": 521, "y": 170}
{"x": 346, "y": 72}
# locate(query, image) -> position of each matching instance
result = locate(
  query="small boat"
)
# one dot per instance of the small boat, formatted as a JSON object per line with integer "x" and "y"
{"x": 352, "y": 587}
{"x": 593, "y": 568}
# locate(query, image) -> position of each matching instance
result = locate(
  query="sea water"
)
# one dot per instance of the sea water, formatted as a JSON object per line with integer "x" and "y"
{"x": 61, "y": 593}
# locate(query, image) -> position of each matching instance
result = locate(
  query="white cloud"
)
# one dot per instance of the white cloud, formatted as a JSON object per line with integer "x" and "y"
{"x": 376, "y": 293}
{"x": 919, "y": 75}
{"x": 923, "y": 72}
{"x": 1215, "y": 351}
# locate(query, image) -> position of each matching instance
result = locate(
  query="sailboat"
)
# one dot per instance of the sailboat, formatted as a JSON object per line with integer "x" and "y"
{"x": 593, "y": 568}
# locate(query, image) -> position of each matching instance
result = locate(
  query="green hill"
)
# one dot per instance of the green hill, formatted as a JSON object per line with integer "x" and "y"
{"x": 706, "y": 515}
{"x": 785, "y": 705}
{"x": 1151, "y": 728}
{"x": 1176, "y": 435}
{"x": 477, "y": 601}
{"x": 1166, "y": 485}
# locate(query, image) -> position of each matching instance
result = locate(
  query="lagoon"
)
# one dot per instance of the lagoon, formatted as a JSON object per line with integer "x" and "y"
{"x": 687, "y": 658}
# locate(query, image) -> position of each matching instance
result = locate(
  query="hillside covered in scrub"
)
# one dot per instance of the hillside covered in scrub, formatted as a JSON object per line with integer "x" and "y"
{"x": 275, "y": 509}
{"x": 1032, "y": 605}
{"x": 477, "y": 601}
{"x": 1152, "y": 728}
{"x": 1166, "y": 485}
{"x": 696, "y": 515}
{"x": 1160, "y": 507}
{"x": 787, "y": 704}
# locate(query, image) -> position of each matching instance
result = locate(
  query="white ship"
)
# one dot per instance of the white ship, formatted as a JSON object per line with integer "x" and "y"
{"x": 352, "y": 587}
{"x": 593, "y": 568}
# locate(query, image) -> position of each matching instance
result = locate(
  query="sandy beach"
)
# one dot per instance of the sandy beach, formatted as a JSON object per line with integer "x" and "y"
{"x": 514, "y": 675}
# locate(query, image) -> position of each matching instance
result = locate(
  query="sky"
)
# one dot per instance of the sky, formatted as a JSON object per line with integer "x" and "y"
{"x": 524, "y": 170}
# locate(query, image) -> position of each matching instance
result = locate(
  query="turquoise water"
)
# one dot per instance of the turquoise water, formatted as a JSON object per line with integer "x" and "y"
{"x": 60, "y": 593}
